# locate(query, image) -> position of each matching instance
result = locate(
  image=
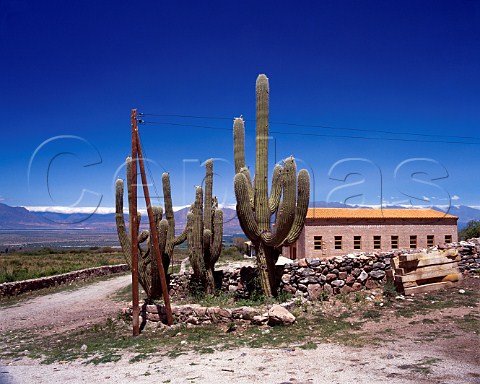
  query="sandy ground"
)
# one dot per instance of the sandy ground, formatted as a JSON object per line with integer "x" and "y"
{"x": 456, "y": 360}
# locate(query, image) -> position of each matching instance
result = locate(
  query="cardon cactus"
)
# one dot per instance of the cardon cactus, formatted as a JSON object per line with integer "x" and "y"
{"x": 287, "y": 204}
{"x": 147, "y": 265}
{"x": 205, "y": 232}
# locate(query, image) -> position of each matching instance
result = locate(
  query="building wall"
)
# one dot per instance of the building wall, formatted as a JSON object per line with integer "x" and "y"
{"x": 367, "y": 229}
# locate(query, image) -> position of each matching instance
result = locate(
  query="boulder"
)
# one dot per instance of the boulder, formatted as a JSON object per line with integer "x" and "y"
{"x": 277, "y": 315}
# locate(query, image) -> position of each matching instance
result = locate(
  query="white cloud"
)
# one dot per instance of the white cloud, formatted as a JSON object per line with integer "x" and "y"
{"x": 89, "y": 210}
{"x": 455, "y": 197}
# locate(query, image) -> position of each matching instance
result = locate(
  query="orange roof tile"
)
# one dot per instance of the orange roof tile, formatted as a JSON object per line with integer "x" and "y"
{"x": 371, "y": 213}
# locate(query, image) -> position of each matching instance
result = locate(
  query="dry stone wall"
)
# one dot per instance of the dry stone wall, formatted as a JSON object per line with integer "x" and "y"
{"x": 18, "y": 287}
{"x": 312, "y": 278}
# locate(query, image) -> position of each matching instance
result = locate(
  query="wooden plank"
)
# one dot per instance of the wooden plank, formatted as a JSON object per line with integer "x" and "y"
{"x": 431, "y": 268}
{"x": 428, "y": 255}
{"x": 394, "y": 262}
{"x": 428, "y": 288}
{"x": 427, "y": 275}
{"x": 426, "y": 262}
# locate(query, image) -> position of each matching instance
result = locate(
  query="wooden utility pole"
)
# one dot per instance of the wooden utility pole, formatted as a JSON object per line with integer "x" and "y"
{"x": 134, "y": 225}
{"x": 154, "y": 235}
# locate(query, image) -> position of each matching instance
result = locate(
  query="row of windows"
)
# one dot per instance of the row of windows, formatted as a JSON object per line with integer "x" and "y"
{"x": 377, "y": 241}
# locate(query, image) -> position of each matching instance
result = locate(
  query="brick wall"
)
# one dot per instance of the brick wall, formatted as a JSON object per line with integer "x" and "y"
{"x": 366, "y": 229}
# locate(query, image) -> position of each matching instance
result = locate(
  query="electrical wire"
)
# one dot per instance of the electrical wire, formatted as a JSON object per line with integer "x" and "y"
{"x": 292, "y": 124}
{"x": 318, "y": 134}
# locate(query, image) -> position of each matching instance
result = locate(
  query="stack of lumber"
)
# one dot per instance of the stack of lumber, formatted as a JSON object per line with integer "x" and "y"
{"x": 425, "y": 271}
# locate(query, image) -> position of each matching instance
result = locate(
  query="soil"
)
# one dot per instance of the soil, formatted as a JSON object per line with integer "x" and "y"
{"x": 424, "y": 348}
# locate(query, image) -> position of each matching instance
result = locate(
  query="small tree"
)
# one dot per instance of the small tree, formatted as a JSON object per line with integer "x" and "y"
{"x": 471, "y": 231}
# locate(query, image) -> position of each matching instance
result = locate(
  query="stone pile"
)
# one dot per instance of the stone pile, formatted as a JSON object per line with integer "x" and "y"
{"x": 470, "y": 253}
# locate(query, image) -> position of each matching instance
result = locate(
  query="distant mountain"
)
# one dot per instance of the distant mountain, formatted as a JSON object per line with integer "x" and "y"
{"x": 463, "y": 212}
{"x": 21, "y": 218}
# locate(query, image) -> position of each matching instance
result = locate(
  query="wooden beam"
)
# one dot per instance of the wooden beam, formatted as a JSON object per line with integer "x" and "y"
{"x": 154, "y": 235}
{"x": 132, "y": 212}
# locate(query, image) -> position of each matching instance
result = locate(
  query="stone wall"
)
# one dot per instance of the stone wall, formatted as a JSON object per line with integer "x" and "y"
{"x": 17, "y": 287}
{"x": 311, "y": 278}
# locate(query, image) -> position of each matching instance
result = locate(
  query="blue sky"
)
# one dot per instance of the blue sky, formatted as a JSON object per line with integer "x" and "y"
{"x": 71, "y": 72}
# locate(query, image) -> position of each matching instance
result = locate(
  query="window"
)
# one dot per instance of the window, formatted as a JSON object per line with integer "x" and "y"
{"x": 338, "y": 242}
{"x": 377, "y": 242}
{"x": 394, "y": 242}
{"x": 413, "y": 241}
{"x": 430, "y": 240}
{"x": 448, "y": 238}
{"x": 317, "y": 242}
{"x": 357, "y": 242}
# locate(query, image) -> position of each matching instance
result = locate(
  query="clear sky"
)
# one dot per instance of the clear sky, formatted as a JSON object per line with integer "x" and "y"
{"x": 402, "y": 75}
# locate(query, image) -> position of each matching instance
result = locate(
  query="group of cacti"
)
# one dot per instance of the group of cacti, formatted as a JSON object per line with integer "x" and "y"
{"x": 286, "y": 205}
{"x": 203, "y": 254}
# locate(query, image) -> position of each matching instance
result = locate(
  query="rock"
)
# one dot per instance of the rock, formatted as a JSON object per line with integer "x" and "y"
{"x": 277, "y": 315}
{"x": 245, "y": 313}
{"x": 356, "y": 272}
{"x": 289, "y": 288}
{"x": 312, "y": 263}
{"x": 331, "y": 277}
{"x": 302, "y": 287}
{"x": 337, "y": 283}
{"x": 371, "y": 284}
{"x": 357, "y": 287}
{"x": 377, "y": 274}
{"x": 302, "y": 263}
{"x": 232, "y": 288}
{"x": 286, "y": 278}
{"x": 362, "y": 277}
{"x": 378, "y": 265}
{"x": 260, "y": 319}
{"x": 308, "y": 272}
{"x": 314, "y": 291}
{"x": 350, "y": 280}
{"x": 342, "y": 275}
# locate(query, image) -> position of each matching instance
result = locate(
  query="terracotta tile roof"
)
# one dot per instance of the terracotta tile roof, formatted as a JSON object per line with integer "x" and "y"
{"x": 371, "y": 213}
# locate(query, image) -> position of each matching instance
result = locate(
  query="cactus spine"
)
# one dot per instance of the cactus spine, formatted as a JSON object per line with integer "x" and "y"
{"x": 147, "y": 265}
{"x": 205, "y": 232}
{"x": 255, "y": 208}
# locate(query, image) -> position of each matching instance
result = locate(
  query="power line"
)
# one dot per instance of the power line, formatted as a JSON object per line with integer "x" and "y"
{"x": 317, "y": 134}
{"x": 313, "y": 126}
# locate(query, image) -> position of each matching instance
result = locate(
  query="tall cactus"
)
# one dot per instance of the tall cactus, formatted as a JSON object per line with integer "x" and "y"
{"x": 147, "y": 264}
{"x": 205, "y": 232}
{"x": 287, "y": 205}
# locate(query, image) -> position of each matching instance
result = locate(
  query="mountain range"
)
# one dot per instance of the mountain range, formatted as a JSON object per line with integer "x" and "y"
{"x": 19, "y": 218}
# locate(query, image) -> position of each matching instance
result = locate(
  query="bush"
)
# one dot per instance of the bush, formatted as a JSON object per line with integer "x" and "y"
{"x": 471, "y": 231}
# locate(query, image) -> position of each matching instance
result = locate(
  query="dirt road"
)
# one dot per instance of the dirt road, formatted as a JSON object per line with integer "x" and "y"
{"x": 451, "y": 357}
{"x": 64, "y": 310}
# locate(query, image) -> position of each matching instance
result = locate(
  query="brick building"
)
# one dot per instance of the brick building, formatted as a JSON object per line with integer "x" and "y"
{"x": 332, "y": 232}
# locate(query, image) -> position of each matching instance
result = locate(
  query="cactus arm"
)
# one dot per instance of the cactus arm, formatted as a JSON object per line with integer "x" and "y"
{"x": 208, "y": 203}
{"x": 244, "y": 211}
{"x": 286, "y": 210}
{"x": 302, "y": 207}
{"x": 239, "y": 144}
{"x": 277, "y": 185}
{"x": 239, "y": 154}
{"x": 216, "y": 245}
{"x": 120, "y": 221}
{"x": 262, "y": 210}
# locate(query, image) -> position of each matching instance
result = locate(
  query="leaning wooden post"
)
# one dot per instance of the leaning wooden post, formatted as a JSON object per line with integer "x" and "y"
{"x": 154, "y": 235}
{"x": 132, "y": 212}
